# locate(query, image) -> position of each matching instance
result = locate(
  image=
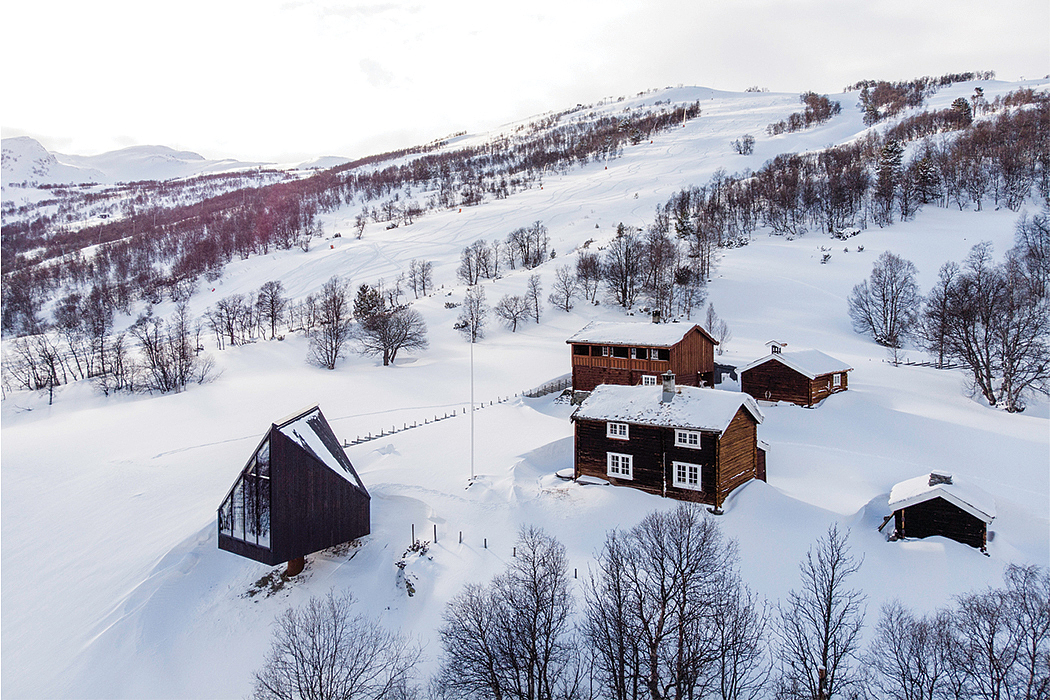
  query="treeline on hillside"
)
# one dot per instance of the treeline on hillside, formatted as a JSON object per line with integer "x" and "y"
{"x": 819, "y": 109}
{"x": 992, "y": 319}
{"x": 665, "y": 613}
{"x": 871, "y": 181}
{"x": 151, "y": 255}
{"x": 881, "y": 99}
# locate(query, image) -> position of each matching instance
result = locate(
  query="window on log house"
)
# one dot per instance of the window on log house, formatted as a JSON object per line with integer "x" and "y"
{"x": 581, "y": 350}
{"x": 620, "y": 352}
{"x": 619, "y": 466}
{"x": 648, "y": 380}
{"x": 687, "y": 476}
{"x": 687, "y": 438}
{"x": 618, "y": 431}
{"x": 639, "y": 353}
{"x": 836, "y": 380}
{"x": 663, "y": 354}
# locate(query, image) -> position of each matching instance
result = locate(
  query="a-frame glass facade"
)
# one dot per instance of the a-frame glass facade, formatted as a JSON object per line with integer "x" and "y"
{"x": 245, "y": 514}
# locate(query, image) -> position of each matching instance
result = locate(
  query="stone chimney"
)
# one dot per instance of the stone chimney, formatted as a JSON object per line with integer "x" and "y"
{"x": 656, "y": 315}
{"x": 668, "y": 393}
{"x": 937, "y": 478}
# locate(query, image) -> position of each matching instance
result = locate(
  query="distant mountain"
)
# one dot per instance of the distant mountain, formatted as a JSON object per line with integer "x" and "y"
{"x": 26, "y": 160}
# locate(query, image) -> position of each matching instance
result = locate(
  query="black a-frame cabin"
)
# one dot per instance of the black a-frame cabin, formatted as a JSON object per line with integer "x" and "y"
{"x": 297, "y": 495}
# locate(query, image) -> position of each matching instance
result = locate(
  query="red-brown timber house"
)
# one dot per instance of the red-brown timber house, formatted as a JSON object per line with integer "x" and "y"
{"x": 639, "y": 353}
{"x": 934, "y": 504}
{"x": 805, "y": 377}
{"x": 689, "y": 443}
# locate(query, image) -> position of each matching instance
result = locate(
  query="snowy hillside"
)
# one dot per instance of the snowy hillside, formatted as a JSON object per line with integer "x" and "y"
{"x": 113, "y": 585}
{"x": 27, "y": 164}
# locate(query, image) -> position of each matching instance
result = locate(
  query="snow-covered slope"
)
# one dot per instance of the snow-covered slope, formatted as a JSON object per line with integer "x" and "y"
{"x": 112, "y": 582}
{"x": 25, "y": 160}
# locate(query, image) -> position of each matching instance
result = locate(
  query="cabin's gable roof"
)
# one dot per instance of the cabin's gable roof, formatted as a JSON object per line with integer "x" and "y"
{"x": 809, "y": 363}
{"x": 311, "y": 431}
{"x": 654, "y": 335}
{"x": 967, "y": 497}
{"x": 692, "y": 408}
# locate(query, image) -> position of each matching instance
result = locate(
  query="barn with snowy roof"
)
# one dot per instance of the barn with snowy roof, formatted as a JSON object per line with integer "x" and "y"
{"x": 689, "y": 443}
{"x": 298, "y": 494}
{"x": 935, "y": 504}
{"x": 638, "y": 353}
{"x": 804, "y": 377}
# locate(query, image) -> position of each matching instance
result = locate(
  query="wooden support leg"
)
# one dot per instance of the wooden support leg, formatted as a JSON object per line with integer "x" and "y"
{"x": 295, "y": 567}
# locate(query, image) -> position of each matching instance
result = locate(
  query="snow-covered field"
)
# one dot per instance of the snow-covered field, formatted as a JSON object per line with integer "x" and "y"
{"x": 112, "y": 584}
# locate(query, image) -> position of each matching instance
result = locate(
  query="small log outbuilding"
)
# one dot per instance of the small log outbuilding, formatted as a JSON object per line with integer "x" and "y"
{"x": 805, "y": 377}
{"x": 298, "y": 494}
{"x": 934, "y": 504}
{"x": 639, "y": 353}
{"x": 689, "y": 443}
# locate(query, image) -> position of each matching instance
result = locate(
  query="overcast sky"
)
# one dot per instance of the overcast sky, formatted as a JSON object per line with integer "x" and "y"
{"x": 287, "y": 80}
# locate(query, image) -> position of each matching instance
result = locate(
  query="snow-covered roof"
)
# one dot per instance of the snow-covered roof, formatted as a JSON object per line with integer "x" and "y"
{"x": 310, "y": 429}
{"x": 968, "y": 497}
{"x": 638, "y": 333}
{"x": 691, "y": 408}
{"x": 811, "y": 363}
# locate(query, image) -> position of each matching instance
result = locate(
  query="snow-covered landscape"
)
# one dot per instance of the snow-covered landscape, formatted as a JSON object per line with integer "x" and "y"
{"x": 113, "y": 585}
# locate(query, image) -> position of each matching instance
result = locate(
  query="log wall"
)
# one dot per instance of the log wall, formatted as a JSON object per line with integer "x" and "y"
{"x": 939, "y": 517}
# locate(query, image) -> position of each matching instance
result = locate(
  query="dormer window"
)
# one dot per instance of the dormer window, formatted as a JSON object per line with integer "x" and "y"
{"x": 617, "y": 431}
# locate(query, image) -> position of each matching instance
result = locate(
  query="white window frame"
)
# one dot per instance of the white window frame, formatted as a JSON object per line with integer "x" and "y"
{"x": 836, "y": 380}
{"x": 618, "y": 431}
{"x": 687, "y": 483}
{"x": 649, "y": 380}
{"x": 681, "y": 439}
{"x": 624, "y": 465}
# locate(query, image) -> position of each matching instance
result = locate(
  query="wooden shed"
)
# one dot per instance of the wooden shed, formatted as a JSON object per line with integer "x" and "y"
{"x": 639, "y": 353}
{"x": 934, "y": 504}
{"x": 689, "y": 443}
{"x": 805, "y": 377}
{"x": 298, "y": 494}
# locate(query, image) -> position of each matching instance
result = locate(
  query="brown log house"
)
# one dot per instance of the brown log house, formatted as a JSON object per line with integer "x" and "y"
{"x": 638, "y": 353}
{"x": 804, "y": 377}
{"x": 683, "y": 442}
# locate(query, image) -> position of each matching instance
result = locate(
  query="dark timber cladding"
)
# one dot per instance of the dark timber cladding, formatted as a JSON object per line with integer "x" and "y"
{"x": 297, "y": 495}
{"x": 804, "y": 378}
{"x": 691, "y": 450}
{"x": 935, "y": 504}
{"x": 939, "y": 517}
{"x": 629, "y": 353}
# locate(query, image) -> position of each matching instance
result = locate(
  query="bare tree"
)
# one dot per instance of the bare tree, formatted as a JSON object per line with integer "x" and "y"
{"x": 622, "y": 266}
{"x": 820, "y": 624}
{"x": 718, "y": 328}
{"x": 387, "y": 332}
{"x": 514, "y": 637}
{"x": 887, "y": 307}
{"x": 322, "y": 651}
{"x": 909, "y": 657}
{"x": 565, "y": 288}
{"x": 472, "y": 319}
{"x": 271, "y": 302}
{"x": 1029, "y": 588}
{"x": 420, "y": 277}
{"x": 667, "y": 616}
{"x": 513, "y": 310}
{"x": 534, "y": 296}
{"x": 334, "y": 329}
{"x": 589, "y": 273}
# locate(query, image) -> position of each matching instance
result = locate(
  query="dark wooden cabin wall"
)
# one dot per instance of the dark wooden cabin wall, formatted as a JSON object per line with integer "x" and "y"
{"x": 737, "y": 453}
{"x": 312, "y": 507}
{"x": 780, "y": 381}
{"x": 939, "y": 517}
{"x": 653, "y": 452}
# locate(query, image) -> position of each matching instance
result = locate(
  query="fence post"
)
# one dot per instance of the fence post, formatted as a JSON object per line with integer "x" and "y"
{"x": 413, "y": 533}
{"x": 435, "y": 533}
